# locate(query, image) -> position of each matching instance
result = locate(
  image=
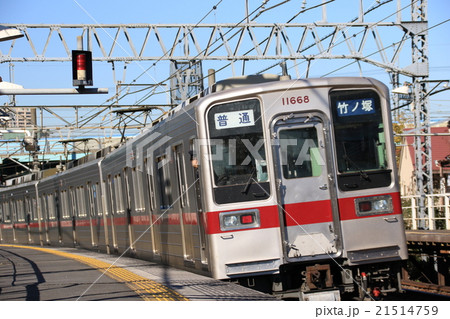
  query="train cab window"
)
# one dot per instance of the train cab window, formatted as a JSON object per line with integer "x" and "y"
{"x": 299, "y": 153}
{"x": 360, "y": 140}
{"x": 238, "y": 154}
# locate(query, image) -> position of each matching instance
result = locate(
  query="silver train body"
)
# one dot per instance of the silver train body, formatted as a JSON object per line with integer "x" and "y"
{"x": 289, "y": 186}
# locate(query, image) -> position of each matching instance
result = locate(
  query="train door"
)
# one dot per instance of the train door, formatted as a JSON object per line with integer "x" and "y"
{"x": 197, "y": 201}
{"x": 186, "y": 219}
{"x": 306, "y": 204}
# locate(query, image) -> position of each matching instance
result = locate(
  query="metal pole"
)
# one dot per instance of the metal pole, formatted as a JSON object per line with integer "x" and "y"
{"x": 53, "y": 91}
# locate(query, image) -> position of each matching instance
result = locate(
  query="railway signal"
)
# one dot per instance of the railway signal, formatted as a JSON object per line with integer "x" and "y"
{"x": 82, "y": 68}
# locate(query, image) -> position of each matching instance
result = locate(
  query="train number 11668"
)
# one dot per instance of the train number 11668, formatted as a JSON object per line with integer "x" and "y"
{"x": 295, "y": 100}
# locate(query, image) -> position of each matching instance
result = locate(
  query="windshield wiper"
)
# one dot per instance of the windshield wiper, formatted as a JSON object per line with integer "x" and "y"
{"x": 249, "y": 182}
{"x": 360, "y": 171}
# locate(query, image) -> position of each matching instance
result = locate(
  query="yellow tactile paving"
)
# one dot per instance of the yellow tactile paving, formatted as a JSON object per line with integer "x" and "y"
{"x": 147, "y": 289}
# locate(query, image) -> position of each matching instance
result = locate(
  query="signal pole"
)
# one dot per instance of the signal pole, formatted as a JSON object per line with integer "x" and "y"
{"x": 422, "y": 144}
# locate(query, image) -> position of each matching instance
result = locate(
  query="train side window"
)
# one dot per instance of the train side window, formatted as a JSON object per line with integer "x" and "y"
{"x": 118, "y": 188}
{"x": 28, "y": 209}
{"x": 20, "y": 210}
{"x": 138, "y": 189}
{"x": 110, "y": 203}
{"x": 81, "y": 199}
{"x": 164, "y": 182}
{"x": 33, "y": 208}
{"x": 181, "y": 176}
{"x": 43, "y": 200}
{"x": 34, "y": 202}
{"x": 65, "y": 204}
{"x": 7, "y": 211}
{"x": 96, "y": 189}
{"x": 13, "y": 207}
{"x": 127, "y": 189}
{"x": 92, "y": 199}
{"x": 74, "y": 201}
{"x": 51, "y": 206}
{"x": 150, "y": 183}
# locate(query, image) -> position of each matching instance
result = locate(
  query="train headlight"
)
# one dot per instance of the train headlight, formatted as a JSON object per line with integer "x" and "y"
{"x": 373, "y": 205}
{"x": 230, "y": 221}
{"x": 241, "y": 219}
{"x": 380, "y": 205}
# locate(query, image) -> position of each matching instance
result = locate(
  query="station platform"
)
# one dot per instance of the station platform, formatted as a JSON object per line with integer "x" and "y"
{"x": 69, "y": 274}
{"x": 436, "y": 237}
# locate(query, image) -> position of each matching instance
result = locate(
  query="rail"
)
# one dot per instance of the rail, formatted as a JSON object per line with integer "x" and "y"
{"x": 437, "y": 207}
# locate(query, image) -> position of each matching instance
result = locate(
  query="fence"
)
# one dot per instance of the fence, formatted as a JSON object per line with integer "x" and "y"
{"x": 437, "y": 211}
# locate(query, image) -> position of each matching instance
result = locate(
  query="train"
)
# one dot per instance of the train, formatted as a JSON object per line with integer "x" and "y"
{"x": 288, "y": 186}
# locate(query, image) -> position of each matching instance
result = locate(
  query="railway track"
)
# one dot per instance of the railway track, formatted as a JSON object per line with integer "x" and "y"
{"x": 428, "y": 288}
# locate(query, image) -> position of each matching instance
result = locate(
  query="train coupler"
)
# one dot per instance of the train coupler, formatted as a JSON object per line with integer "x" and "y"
{"x": 318, "y": 277}
{"x": 319, "y": 284}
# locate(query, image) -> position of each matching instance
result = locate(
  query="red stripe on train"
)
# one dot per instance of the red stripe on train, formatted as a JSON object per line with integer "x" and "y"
{"x": 295, "y": 214}
{"x": 308, "y": 213}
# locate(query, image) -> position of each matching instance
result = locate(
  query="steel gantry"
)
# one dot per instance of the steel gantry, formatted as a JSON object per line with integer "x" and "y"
{"x": 189, "y": 46}
{"x": 224, "y": 42}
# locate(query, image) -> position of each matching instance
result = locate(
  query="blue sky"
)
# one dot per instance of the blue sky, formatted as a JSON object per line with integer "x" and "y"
{"x": 57, "y": 74}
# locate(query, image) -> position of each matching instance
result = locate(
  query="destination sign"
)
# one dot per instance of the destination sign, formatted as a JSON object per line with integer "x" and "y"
{"x": 235, "y": 119}
{"x": 355, "y": 107}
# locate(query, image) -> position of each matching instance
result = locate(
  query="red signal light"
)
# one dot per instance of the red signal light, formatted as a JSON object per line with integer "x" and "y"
{"x": 246, "y": 219}
{"x": 365, "y": 206}
{"x": 82, "y": 68}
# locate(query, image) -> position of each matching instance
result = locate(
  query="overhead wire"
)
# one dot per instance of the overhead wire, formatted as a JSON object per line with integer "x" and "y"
{"x": 213, "y": 43}
{"x": 378, "y": 51}
{"x": 376, "y": 6}
{"x": 206, "y": 49}
{"x": 119, "y": 97}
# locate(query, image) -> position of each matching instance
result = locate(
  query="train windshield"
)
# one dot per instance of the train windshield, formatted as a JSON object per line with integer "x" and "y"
{"x": 360, "y": 140}
{"x": 238, "y": 152}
